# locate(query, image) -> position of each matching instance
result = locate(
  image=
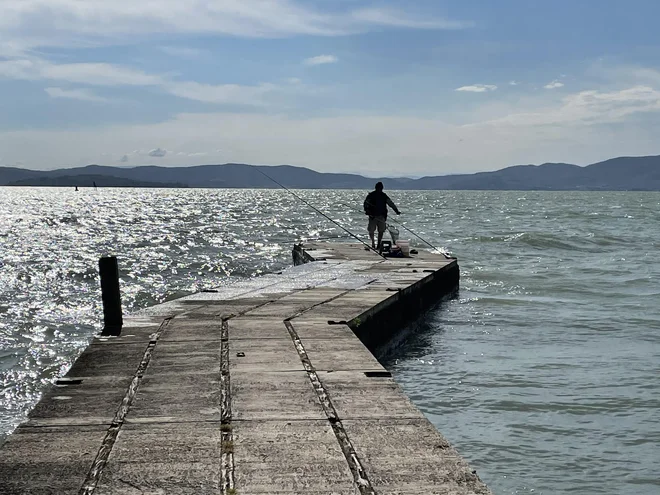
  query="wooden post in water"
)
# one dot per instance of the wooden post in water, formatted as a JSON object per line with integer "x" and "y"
{"x": 112, "y": 317}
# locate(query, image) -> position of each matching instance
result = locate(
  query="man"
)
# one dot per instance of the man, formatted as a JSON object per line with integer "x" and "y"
{"x": 375, "y": 205}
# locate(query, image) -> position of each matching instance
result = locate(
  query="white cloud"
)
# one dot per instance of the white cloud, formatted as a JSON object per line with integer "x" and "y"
{"x": 11, "y": 49}
{"x": 220, "y": 93}
{"x": 321, "y": 59}
{"x": 74, "y": 94}
{"x": 72, "y": 22}
{"x": 98, "y": 19}
{"x": 99, "y": 74}
{"x": 184, "y": 52}
{"x": 158, "y": 153}
{"x": 586, "y": 108}
{"x": 388, "y": 17}
{"x": 18, "y": 69}
{"x": 554, "y": 85}
{"x": 477, "y": 88}
{"x": 645, "y": 74}
{"x": 294, "y": 80}
{"x": 624, "y": 75}
{"x": 573, "y": 128}
{"x": 513, "y": 83}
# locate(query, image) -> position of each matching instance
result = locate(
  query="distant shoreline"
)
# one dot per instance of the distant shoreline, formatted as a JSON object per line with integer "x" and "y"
{"x": 617, "y": 174}
{"x": 161, "y": 186}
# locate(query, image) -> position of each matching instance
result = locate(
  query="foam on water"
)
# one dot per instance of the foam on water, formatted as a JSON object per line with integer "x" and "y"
{"x": 542, "y": 370}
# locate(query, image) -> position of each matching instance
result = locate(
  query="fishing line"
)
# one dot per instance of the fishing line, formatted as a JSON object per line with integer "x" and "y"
{"x": 409, "y": 230}
{"x": 417, "y": 235}
{"x": 320, "y": 212}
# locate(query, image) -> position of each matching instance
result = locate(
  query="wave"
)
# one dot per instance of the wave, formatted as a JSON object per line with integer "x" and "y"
{"x": 588, "y": 242}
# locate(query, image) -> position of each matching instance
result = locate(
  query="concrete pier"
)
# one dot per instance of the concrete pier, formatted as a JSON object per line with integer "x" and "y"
{"x": 264, "y": 386}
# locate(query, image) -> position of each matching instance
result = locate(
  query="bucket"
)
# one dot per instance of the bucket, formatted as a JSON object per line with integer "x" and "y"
{"x": 394, "y": 233}
{"x": 404, "y": 245}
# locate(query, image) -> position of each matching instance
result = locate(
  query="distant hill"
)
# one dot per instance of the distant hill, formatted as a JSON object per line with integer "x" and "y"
{"x": 83, "y": 180}
{"x": 617, "y": 174}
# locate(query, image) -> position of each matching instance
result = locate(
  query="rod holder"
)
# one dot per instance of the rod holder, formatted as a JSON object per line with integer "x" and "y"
{"x": 110, "y": 295}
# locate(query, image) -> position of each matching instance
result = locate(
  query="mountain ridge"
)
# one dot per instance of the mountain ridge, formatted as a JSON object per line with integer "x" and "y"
{"x": 616, "y": 174}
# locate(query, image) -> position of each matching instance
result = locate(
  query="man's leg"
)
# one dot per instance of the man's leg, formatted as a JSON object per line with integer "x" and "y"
{"x": 381, "y": 230}
{"x": 371, "y": 228}
{"x": 380, "y": 239}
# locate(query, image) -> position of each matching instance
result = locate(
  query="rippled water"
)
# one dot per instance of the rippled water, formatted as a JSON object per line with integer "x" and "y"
{"x": 543, "y": 370}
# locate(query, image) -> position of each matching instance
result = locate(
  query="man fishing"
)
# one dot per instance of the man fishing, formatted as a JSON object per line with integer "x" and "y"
{"x": 375, "y": 205}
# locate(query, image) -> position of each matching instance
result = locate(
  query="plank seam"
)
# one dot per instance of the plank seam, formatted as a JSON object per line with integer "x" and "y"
{"x": 357, "y": 470}
{"x": 226, "y": 435}
{"x": 94, "y": 475}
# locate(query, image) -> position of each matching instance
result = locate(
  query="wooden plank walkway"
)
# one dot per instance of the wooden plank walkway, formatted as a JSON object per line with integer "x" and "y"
{"x": 260, "y": 387}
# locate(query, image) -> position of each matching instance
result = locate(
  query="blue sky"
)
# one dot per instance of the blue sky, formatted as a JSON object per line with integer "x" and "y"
{"x": 375, "y": 87}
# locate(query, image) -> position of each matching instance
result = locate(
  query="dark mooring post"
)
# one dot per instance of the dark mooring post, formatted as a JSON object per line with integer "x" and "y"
{"x": 112, "y": 318}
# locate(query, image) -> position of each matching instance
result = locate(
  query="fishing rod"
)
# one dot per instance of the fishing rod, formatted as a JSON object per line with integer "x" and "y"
{"x": 420, "y": 238}
{"x": 320, "y": 212}
{"x": 411, "y": 231}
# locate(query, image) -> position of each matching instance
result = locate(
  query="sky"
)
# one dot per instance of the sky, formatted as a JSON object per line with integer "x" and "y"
{"x": 389, "y": 87}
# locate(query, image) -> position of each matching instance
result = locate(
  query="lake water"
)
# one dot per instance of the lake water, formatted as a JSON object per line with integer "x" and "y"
{"x": 544, "y": 370}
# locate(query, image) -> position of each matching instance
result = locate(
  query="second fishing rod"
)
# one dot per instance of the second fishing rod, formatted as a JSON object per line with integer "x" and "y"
{"x": 355, "y": 209}
{"x": 302, "y": 200}
{"x": 403, "y": 226}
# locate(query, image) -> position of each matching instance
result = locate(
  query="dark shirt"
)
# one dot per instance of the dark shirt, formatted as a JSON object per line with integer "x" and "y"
{"x": 375, "y": 205}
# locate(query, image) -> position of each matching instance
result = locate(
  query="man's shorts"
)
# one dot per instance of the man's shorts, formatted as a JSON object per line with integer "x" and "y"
{"x": 377, "y": 223}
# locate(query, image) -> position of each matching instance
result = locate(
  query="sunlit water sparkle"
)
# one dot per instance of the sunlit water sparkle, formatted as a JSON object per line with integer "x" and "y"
{"x": 543, "y": 370}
